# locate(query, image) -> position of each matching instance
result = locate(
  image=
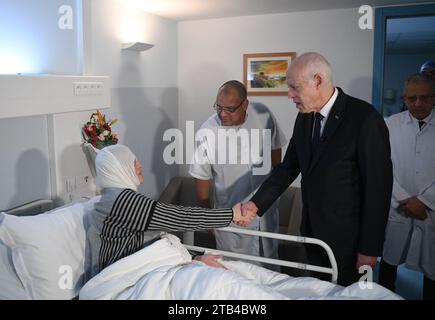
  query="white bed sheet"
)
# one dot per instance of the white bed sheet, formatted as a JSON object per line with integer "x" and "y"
{"x": 164, "y": 271}
{"x": 11, "y": 287}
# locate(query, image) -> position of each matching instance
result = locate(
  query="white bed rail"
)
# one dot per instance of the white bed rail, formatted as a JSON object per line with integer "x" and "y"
{"x": 333, "y": 271}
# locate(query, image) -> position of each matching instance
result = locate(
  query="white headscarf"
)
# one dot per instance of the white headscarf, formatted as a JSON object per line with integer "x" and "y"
{"x": 115, "y": 168}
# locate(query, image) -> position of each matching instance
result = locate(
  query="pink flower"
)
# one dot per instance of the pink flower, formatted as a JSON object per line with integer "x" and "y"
{"x": 91, "y": 129}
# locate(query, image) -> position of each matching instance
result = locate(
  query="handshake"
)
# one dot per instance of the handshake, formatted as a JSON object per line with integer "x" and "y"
{"x": 244, "y": 214}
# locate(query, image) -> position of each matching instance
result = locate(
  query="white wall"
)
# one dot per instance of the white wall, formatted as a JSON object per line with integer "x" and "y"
{"x": 32, "y": 42}
{"x": 144, "y": 98}
{"x": 144, "y": 94}
{"x": 211, "y": 52}
{"x": 24, "y": 170}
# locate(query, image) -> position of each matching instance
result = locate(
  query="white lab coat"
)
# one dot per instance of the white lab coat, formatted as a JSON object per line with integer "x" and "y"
{"x": 234, "y": 183}
{"x": 409, "y": 240}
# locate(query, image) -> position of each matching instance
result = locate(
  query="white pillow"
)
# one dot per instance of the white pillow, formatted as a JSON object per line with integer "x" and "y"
{"x": 48, "y": 250}
{"x": 11, "y": 287}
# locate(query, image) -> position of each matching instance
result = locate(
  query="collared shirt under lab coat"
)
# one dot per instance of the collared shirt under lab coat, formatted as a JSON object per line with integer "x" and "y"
{"x": 413, "y": 155}
{"x": 236, "y": 183}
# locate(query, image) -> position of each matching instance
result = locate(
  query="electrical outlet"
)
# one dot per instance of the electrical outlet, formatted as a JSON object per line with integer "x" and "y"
{"x": 87, "y": 88}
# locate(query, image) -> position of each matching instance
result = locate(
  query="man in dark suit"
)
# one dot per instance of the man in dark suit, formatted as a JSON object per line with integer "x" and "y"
{"x": 341, "y": 147}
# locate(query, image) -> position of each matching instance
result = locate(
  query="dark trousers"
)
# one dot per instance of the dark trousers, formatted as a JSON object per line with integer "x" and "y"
{"x": 388, "y": 275}
{"x": 347, "y": 272}
{"x": 346, "y": 264}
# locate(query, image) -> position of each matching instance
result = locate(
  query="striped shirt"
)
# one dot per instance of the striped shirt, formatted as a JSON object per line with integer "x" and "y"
{"x": 133, "y": 214}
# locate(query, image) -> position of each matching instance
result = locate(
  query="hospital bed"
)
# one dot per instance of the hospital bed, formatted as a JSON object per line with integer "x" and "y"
{"x": 333, "y": 271}
{"x": 43, "y": 257}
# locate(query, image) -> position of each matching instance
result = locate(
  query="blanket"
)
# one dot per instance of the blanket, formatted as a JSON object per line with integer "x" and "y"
{"x": 165, "y": 271}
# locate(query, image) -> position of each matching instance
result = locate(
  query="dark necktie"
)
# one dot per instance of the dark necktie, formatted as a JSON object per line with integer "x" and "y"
{"x": 421, "y": 124}
{"x": 316, "y": 137}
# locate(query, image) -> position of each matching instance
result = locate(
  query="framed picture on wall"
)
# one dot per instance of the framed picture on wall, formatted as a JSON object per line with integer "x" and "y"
{"x": 264, "y": 74}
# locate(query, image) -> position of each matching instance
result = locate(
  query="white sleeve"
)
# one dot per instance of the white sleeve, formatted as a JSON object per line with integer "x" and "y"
{"x": 428, "y": 197}
{"x": 200, "y": 167}
{"x": 399, "y": 194}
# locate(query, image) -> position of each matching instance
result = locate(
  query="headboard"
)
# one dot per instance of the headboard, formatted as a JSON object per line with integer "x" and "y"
{"x": 31, "y": 208}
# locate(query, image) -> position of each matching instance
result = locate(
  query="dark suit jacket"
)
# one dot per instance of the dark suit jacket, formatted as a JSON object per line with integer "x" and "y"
{"x": 346, "y": 187}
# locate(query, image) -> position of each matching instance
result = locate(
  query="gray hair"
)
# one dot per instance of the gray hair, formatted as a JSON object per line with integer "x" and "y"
{"x": 420, "y": 77}
{"x": 314, "y": 63}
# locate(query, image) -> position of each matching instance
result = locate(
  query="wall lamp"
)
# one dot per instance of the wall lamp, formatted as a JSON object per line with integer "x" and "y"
{"x": 136, "y": 46}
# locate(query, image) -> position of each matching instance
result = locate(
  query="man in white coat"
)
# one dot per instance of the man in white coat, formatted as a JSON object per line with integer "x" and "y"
{"x": 236, "y": 177}
{"x": 410, "y": 233}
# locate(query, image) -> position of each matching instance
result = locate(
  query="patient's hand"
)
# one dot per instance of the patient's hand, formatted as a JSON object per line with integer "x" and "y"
{"x": 240, "y": 219}
{"x": 211, "y": 260}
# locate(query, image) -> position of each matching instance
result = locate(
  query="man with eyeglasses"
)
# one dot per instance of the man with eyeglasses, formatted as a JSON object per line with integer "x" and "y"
{"x": 236, "y": 181}
{"x": 410, "y": 233}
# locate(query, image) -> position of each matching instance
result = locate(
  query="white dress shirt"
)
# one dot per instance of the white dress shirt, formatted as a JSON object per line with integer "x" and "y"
{"x": 326, "y": 109}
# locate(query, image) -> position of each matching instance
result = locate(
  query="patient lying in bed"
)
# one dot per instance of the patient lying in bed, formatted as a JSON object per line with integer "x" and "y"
{"x": 124, "y": 221}
{"x": 164, "y": 270}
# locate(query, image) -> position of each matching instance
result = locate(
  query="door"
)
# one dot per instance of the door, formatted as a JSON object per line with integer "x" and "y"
{"x": 404, "y": 40}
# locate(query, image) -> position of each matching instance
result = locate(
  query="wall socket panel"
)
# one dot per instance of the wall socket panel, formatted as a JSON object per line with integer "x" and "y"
{"x": 87, "y": 88}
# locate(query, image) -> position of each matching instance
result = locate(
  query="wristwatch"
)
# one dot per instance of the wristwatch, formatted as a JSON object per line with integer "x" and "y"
{"x": 194, "y": 254}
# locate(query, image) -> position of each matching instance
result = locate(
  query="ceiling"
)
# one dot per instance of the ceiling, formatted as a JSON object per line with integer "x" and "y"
{"x": 182, "y": 10}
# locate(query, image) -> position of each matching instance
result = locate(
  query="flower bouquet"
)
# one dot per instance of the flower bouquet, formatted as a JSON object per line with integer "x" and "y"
{"x": 98, "y": 132}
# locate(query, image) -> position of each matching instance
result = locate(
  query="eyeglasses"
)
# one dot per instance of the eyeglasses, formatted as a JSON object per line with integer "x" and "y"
{"x": 219, "y": 108}
{"x": 413, "y": 99}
